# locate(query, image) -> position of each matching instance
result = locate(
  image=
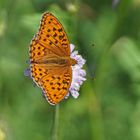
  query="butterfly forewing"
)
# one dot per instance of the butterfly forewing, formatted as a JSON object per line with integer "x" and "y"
{"x": 52, "y": 34}
{"x": 39, "y": 51}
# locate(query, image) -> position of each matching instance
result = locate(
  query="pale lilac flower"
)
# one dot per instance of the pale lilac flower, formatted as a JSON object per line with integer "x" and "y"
{"x": 78, "y": 74}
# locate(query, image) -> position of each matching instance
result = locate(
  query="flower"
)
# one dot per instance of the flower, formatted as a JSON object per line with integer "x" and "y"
{"x": 78, "y": 74}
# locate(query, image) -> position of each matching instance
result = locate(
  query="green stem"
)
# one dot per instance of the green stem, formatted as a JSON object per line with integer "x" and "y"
{"x": 55, "y": 123}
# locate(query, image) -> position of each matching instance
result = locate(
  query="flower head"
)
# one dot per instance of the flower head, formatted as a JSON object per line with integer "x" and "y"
{"x": 78, "y": 74}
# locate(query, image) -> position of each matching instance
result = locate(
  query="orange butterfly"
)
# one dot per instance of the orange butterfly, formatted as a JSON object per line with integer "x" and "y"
{"x": 51, "y": 61}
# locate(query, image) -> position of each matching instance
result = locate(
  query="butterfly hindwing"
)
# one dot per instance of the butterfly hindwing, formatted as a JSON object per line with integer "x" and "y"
{"x": 56, "y": 83}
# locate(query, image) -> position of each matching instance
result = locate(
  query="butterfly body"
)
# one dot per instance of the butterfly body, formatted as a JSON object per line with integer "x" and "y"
{"x": 50, "y": 61}
{"x": 56, "y": 61}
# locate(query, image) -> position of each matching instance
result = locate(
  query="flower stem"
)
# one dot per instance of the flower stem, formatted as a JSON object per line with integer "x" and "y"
{"x": 55, "y": 123}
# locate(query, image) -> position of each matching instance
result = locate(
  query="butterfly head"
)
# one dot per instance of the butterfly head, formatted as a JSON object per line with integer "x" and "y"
{"x": 73, "y": 61}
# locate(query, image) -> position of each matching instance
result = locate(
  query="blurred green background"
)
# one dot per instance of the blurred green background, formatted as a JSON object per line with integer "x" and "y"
{"x": 107, "y": 35}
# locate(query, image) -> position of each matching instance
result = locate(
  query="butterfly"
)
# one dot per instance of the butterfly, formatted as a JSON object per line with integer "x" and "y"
{"x": 50, "y": 61}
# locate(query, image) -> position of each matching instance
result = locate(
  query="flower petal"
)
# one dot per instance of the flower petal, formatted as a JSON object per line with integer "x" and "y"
{"x": 75, "y": 94}
{"x": 27, "y": 72}
{"x": 71, "y": 47}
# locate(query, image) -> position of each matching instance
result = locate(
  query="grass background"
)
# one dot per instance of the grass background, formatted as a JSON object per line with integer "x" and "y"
{"x": 107, "y": 35}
